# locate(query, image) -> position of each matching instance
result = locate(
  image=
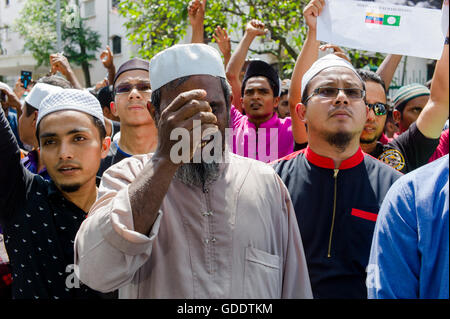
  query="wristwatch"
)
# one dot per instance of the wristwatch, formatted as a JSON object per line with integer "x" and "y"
{"x": 446, "y": 41}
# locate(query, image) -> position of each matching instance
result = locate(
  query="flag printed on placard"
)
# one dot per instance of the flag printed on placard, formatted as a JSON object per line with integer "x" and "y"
{"x": 391, "y": 20}
{"x": 374, "y": 18}
{"x": 383, "y": 19}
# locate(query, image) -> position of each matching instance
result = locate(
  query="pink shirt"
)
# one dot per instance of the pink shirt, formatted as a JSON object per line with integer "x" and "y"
{"x": 442, "y": 148}
{"x": 271, "y": 141}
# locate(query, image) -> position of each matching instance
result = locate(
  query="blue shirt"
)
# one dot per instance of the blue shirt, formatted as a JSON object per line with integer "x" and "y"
{"x": 409, "y": 253}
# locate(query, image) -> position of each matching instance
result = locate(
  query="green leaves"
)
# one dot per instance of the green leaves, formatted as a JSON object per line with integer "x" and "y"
{"x": 37, "y": 25}
{"x": 156, "y": 25}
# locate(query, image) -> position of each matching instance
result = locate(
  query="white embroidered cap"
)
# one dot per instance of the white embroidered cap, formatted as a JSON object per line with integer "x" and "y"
{"x": 328, "y": 61}
{"x": 40, "y": 92}
{"x": 71, "y": 99}
{"x": 183, "y": 60}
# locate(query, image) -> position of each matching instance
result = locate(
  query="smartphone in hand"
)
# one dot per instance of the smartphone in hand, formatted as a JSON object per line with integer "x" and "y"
{"x": 25, "y": 78}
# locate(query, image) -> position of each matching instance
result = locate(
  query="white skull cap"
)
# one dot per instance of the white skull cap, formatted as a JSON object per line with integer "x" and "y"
{"x": 183, "y": 60}
{"x": 71, "y": 99}
{"x": 40, "y": 92}
{"x": 328, "y": 61}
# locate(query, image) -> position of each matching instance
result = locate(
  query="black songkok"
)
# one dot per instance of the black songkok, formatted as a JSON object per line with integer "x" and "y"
{"x": 133, "y": 64}
{"x": 261, "y": 68}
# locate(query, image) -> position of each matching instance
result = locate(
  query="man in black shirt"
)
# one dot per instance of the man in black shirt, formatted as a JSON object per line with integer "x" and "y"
{"x": 414, "y": 147}
{"x": 40, "y": 218}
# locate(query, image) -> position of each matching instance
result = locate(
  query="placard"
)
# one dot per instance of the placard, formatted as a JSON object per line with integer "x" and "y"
{"x": 406, "y": 27}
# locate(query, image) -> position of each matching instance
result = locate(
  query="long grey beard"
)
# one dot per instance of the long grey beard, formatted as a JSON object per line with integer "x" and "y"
{"x": 198, "y": 174}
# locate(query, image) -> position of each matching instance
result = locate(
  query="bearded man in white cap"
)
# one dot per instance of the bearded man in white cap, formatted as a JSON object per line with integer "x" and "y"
{"x": 336, "y": 189}
{"x": 39, "y": 217}
{"x": 162, "y": 228}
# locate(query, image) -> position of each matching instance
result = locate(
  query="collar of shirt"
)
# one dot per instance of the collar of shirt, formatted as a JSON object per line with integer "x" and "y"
{"x": 326, "y": 162}
{"x": 272, "y": 122}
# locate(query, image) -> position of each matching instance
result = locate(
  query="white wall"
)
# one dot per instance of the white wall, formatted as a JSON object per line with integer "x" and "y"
{"x": 99, "y": 23}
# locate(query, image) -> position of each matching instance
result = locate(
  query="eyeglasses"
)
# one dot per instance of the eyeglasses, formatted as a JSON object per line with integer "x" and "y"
{"x": 126, "y": 88}
{"x": 329, "y": 92}
{"x": 378, "y": 108}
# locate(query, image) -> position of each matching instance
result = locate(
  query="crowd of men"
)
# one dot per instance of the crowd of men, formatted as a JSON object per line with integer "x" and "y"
{"x": 201, "y": 174}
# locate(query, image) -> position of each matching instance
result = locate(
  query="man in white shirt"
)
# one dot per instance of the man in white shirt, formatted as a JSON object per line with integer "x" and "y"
{"x": 162, "y": 229}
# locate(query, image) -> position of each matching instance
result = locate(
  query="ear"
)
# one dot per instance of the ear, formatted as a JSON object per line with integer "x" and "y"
{"x": 35, "y": 116}
{"x": 106, "y": 143}
{"x": 113, "y": 108}
{"x": 276, "y": 101}
{"x": 397, "y": 116}
{"x": 300, "y": 109}
{"x": 242, "y": 104}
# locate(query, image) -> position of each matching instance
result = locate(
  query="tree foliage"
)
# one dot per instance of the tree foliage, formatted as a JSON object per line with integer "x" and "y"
{"x": 37, "y": 25}
{"x": 156, "y": 25}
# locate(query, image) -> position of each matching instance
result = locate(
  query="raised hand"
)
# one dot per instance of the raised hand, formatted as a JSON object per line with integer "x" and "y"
{"x": 256, "y": 28}
{"x": 59, "y": 62}
{"x": 196, "y": 12}
{"x": 223, "y": 41}
{"x": 336, "y": 50}
{"x": 312, "y": 11}
{"x": 181, "y": 113}
{"x": 107, "y": 58}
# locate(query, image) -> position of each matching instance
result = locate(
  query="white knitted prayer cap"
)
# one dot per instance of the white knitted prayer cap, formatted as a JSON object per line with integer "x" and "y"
{"x": 71, "y": 99}
{"x": 328, "y": 61}
{"x": 40, "y": 92}
{"x": 183, "y": 60}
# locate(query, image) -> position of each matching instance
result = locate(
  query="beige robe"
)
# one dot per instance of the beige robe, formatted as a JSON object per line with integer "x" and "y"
{"x": 239, "y": 239}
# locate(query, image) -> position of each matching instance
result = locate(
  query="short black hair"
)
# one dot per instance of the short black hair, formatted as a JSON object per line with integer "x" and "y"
{"x": 105, "y": 96}
{"x": 97, "y": 122}
{"x": 367, "y": 75}
{"x": 156, "y": 94}
{"x": 29, "y": 109}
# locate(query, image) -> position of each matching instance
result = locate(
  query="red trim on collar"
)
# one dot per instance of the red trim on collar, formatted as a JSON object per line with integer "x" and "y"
{"x": 326, "y": 162}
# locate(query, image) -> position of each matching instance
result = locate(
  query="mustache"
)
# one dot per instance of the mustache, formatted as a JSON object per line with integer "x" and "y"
{"x": 340, "y": 110}
{"x": 67, "y": 163}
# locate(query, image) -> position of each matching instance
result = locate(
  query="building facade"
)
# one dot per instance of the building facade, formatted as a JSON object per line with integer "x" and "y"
{"x": 101, "y": 16}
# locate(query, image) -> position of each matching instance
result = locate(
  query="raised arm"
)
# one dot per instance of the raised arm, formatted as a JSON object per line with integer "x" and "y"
{"x": 253, "y": 29}
{"x": 59, "y": 62}
{"x": 107, "y": 59}
{"x": 432, "y": 118}
{"x": 13, "y": 99}
{"x": 224, "y": 43}
{"x": 387, "y": 68}
{"x": 11, "y": 172}
{"x": 196, "y": 13}
{"x": 308, "y": 55}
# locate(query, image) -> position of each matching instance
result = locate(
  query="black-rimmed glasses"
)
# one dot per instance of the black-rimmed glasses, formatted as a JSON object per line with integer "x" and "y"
{"x": 330, "y": 92}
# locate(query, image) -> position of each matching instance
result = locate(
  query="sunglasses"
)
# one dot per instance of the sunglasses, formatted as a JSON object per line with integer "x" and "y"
{"x": 378, "y": 108}
{"x": 127, "y": 88}
{"x": 329, "y": 92}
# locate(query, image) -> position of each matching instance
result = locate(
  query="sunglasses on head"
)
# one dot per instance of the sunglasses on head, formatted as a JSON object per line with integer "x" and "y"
{"x": 378, "y": 108}
{"x": 126, "y": 88}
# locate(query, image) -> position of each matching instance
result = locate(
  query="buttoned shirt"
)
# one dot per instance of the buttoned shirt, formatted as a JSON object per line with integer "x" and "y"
{"x": 236, "y": 238}
{"x": 39, "y": 226}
